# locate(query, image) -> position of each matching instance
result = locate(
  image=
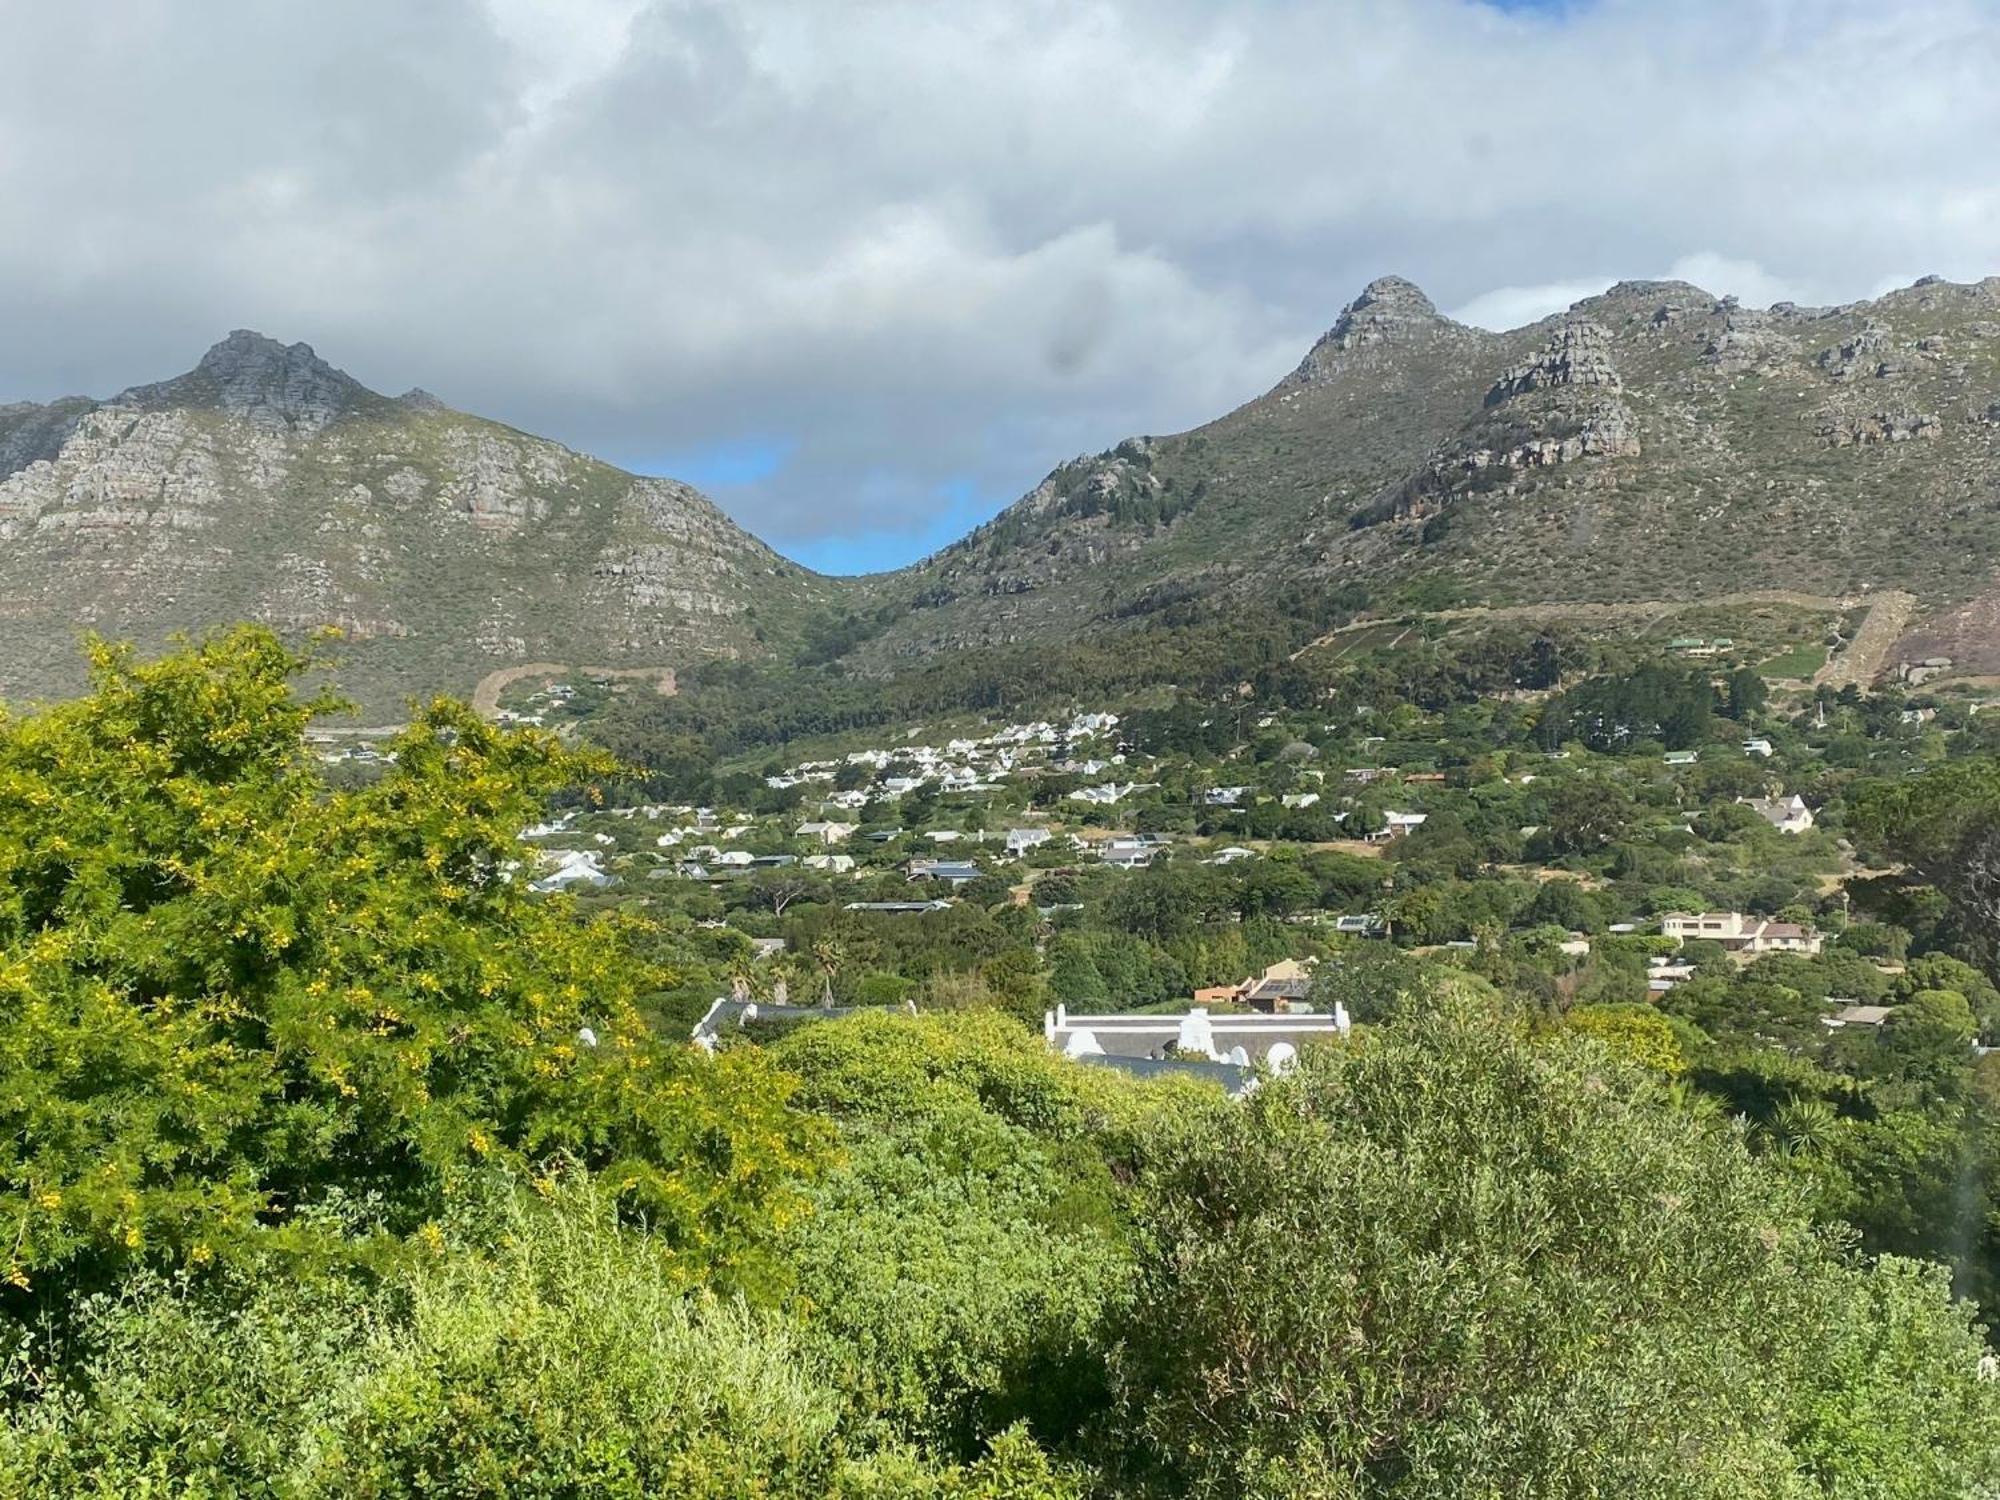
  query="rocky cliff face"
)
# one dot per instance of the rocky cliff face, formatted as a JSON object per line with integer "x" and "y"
{"x": 265, "y": 484}
{"x": 1653, "y": 442}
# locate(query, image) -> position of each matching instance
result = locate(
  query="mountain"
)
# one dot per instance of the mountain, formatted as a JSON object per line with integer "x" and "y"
{"x": 265, "y": 484}
{"x": 1652, "y": 443}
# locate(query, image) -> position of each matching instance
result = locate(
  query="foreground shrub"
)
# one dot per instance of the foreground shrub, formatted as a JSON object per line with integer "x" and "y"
{"x": 228, "y": 993}
{"x": 1453, "y": 1262}
{"x": 565, "y": 1361}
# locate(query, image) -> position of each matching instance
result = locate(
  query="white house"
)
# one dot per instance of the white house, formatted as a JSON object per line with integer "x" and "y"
{"x": 1242, "y": 1040}
{"x": 1741, "y": 934}
{"x": 826, "y": 833}
{"x": 1299, "y": 799}
{"x": 1760, "y": 747}
{"x": 1395, "y": 825}
{"x": 1128, "y": 854}
{"x": 1021, "y": 840}
{"x": 1224, "y": 796}
{"x": 835, "y": 864}
{"x": 1109, "y": 792}
{"x": 1786, "y": 814}
{"x": 573, "y": 867}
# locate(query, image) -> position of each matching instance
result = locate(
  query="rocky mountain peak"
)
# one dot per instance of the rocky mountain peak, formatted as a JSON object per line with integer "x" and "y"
{"x": 280, "y": 387}
{"x": 1387, "y": 308}
{"x": 1390, "y": 311}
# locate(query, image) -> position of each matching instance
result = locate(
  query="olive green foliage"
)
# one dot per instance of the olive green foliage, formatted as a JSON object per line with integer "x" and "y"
{"x": 962, "y": 1264}
{"x": 543, "y": 1352}
{"x": 227, "y": 993}
{"x": 1452, "y": 1262}
{"x": 1945, "y": 825}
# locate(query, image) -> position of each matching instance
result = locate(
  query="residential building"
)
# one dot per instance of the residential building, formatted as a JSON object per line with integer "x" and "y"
{"x": 1741, "y": 934}
{"x": 1396, "y": 825}
{"x": 826, "y": 833}
{"x": 1128, "y": 854}
{"x": 1144, "y": 1043}
{"x": 957, "y": 871}
{"x": 1851, "y": 1014}
{"x": 1021, "y": 840}
{"x": 1786, "y": 814}
{"x": 573, "y": 867}
{"x": 1662, "y": 974}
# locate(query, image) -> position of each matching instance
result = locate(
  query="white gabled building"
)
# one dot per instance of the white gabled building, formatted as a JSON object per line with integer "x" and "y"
{"x": 1786, "y": 814}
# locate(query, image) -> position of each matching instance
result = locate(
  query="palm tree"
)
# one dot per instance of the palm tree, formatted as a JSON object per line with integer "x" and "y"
{"x": 827, "y": 956}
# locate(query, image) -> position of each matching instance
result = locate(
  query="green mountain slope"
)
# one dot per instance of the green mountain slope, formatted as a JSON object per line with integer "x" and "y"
{"x": 267, "y": 485}
{"x": 1654, "y": 442}
{"x": 1651, "y": 443}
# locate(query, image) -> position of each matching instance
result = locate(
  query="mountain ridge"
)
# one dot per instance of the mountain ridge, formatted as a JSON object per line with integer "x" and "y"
{"x": 1652, "y": 441}
{"x": 266, "y": 484}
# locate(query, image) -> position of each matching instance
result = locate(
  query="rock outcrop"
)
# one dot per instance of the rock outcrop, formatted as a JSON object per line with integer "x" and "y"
{"x": 1578, "y": 353}
{"x": 265, "y": 484}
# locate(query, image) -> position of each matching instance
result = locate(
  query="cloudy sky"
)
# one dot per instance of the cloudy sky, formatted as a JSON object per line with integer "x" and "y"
{"x": 865, "y": 269}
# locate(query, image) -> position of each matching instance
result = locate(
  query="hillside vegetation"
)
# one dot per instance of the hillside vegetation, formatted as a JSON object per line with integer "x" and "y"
{"x": 343, "y": 1164}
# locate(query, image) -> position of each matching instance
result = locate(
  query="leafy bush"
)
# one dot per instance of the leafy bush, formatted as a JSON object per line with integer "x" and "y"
{"x": 553, "y": 1354}
{"x": 1451, "y": 1262}
{"x": 228, "y": 993}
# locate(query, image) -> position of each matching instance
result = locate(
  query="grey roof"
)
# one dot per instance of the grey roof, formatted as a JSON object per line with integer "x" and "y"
{"x": 734, "y": 1015}
{"x": 1149, "y": 1036}
{"x": 1280, "y": 989}
{"x": 945, "y": 869}
{"x": 1233, "y": 1079}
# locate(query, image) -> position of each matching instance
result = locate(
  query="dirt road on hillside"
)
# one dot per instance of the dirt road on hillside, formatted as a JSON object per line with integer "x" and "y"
{"x": 486, "y": 696}
{"x": 1889, "y": 615}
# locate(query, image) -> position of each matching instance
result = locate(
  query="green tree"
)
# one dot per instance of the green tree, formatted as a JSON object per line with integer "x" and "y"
{"x": 1453, "y": 1263}
{"x": 228, "y": 994}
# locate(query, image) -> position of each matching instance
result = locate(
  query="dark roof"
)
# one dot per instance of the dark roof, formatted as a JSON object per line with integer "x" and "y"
{"x": 1233, "y": 1079}
{"x": 944, "y": 869}
{"x": 734, "y": 1015}
{"x": 1148, "y": 1036}
{"x": 1280, "y": 989}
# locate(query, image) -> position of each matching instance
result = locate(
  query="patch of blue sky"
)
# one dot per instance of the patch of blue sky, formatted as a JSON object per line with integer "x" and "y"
{"x": 961, "y": 506}
{"x": 720, "y": 466}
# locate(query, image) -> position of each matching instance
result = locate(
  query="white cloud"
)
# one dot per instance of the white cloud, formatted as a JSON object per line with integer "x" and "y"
{"x": 1508, "y": 307}
{"x": 932, "y": 244}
